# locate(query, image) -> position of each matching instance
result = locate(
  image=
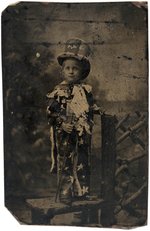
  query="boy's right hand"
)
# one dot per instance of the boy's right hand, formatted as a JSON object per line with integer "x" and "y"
{"x": 67, "y": 127}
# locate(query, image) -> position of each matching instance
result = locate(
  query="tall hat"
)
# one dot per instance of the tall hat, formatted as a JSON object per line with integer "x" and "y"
{"x": 77, "y": 49}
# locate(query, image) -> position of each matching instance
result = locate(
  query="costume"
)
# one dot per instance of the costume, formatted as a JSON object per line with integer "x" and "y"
{"x": 72, "y": 102}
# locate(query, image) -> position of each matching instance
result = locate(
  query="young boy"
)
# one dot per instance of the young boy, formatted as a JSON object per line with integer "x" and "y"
{"x": 70, "y": 114}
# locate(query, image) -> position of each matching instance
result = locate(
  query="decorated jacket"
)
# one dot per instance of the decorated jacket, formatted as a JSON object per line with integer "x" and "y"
{"x": 71, "y": 100}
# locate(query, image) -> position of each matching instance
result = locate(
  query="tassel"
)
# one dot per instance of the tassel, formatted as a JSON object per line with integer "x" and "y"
{"x": 52, "y": 148}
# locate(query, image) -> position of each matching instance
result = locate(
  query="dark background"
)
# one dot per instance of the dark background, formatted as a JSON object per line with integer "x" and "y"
{"x": 33, "y": 34}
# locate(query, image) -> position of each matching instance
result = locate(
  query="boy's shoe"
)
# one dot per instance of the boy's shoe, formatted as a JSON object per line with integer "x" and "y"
{"x": 66, "y": 197}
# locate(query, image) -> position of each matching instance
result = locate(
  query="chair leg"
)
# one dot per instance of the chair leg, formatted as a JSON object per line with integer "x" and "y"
{"x": 39, "y": 218}
{"x": 107, "y": 215}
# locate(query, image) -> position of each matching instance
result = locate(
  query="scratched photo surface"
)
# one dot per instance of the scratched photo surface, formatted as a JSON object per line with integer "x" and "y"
{"x": 33, "y": 35}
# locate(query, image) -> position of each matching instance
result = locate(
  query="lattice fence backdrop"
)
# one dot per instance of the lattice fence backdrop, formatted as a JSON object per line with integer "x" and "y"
{"x": 131, "y": 164}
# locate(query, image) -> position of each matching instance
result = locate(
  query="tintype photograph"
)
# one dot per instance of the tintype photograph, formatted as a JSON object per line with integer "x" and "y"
{"x": 75, "y": 106}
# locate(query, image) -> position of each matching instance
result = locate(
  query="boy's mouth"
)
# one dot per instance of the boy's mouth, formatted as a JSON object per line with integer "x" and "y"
{"x": 71, "y": 76}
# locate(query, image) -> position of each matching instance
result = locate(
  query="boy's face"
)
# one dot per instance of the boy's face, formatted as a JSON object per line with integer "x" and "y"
{"x": 72, "y": 70}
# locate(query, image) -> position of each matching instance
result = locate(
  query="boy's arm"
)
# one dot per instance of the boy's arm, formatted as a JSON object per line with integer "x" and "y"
{"x": 93, "y": 106}
{"x": 53, "y": 109}
{"x": 53, "y": 112}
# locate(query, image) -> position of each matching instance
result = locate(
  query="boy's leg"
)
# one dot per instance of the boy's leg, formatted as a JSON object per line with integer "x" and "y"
{"x": 82, "y": 171}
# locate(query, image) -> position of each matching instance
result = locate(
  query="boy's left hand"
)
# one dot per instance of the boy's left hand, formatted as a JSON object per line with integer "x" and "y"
{"x": 98, "y": 110}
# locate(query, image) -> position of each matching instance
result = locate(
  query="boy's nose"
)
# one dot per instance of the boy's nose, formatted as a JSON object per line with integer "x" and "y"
{"x": 71, "y": 70}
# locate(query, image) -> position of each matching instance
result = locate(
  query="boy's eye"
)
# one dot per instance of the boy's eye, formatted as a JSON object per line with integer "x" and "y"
{"x": 75, "y": 68}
